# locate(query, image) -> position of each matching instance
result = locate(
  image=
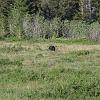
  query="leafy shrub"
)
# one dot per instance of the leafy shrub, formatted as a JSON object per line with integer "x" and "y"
{"x": 94, "y": 31}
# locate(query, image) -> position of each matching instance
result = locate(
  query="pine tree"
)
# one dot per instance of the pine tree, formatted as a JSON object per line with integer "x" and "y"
{"x": 5, "y": 9}
{"x": 17, "y": 15}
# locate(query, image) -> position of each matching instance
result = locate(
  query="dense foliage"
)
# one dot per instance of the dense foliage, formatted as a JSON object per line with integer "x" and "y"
{"x": 30, "y": 17}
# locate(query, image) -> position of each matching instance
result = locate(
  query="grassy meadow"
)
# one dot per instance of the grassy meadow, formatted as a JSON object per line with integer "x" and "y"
{"x": 29, "y": 71}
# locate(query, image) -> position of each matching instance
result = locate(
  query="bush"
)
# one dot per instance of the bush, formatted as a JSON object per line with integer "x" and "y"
{"x": 94, "y": 31}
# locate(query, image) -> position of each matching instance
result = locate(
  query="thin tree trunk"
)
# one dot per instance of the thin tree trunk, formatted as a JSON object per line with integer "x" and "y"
{"x": 82, "y": 8}
{"x": 88, "y": 9}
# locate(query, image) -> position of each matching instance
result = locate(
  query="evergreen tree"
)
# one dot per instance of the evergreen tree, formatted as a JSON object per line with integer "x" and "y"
{"x": 17, "y": 15}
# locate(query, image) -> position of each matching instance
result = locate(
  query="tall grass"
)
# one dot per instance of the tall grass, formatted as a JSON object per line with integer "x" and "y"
{"x": 28, "y": 70}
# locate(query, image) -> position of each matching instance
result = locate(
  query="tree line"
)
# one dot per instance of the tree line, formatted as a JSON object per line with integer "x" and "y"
{"x": 16, "y": 15}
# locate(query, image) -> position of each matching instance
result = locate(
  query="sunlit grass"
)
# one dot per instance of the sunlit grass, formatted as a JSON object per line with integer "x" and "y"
{"x": 29, "y": 71}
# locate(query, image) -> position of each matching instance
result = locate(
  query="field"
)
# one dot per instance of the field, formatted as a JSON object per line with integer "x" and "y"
{"x": 29, "y": 71}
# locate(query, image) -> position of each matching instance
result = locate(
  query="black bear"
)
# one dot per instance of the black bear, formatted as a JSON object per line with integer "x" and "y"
{"x": 52, "y": 48}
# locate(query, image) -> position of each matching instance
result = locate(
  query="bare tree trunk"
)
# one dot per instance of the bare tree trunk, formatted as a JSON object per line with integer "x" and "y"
{"x": 82, "y": 8}
{"x": 88, "y": 9}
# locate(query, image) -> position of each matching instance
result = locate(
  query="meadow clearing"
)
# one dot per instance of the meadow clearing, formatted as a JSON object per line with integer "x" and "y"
{"x": 29, "y": 71}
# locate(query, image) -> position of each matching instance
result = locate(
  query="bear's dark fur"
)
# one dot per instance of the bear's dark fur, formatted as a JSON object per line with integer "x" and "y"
{"x": 52, "y": 48}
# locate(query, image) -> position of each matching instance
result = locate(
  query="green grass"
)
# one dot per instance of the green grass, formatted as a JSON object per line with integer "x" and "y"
{"x": 29, "y": 71}
{"x": 54, "y": 40}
